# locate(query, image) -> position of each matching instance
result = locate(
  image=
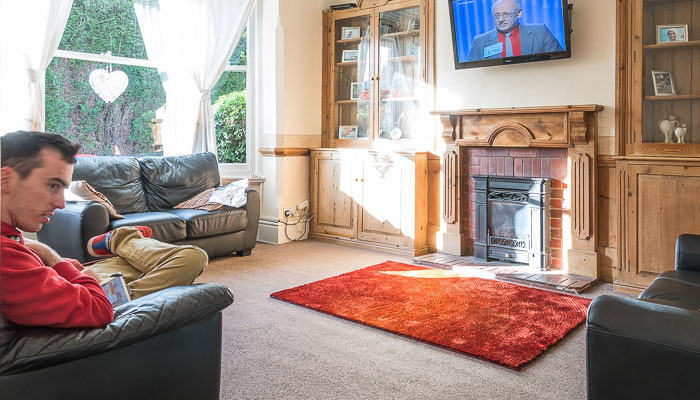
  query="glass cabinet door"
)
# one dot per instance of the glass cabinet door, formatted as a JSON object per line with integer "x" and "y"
{"x": 353, "y": 71}
{"x": 670, "y": 76}
{"x": 399, "y": 74}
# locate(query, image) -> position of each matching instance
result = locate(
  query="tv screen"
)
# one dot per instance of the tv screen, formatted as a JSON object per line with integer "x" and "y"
{"x": 496, "y": 32}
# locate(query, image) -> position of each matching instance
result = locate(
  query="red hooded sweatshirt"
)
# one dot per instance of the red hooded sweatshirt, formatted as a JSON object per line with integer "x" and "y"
{"x": 33, "y": 294}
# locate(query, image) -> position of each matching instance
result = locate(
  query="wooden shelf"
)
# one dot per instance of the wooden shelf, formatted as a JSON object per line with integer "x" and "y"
{"x": 404, "y": 33}
{"x": 403, "y": 59}
{"x": 351, "y": 101}
{"x": 350, "y": 63}
{"x": 672, "y": 45}
{"x": 674, "y": 97}
{"x": 347, "y": 41}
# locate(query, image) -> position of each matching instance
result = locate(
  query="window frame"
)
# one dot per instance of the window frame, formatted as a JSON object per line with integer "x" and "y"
{"x": 251, "y": 69}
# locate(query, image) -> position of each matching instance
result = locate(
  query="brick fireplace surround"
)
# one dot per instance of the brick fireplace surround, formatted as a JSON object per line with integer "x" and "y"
{"x": 549, "y": 142}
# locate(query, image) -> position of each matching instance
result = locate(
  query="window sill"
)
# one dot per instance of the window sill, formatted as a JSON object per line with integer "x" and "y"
{"x": 252, "y": 180}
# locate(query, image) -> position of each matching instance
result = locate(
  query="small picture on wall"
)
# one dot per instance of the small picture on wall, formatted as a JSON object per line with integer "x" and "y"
{"x": 350, "y": 32}
{"x": 671, "y": 33}
{"x": 349, "y": 56}
{"x": 347, "y": 132}
{"x": 663, "y": 83}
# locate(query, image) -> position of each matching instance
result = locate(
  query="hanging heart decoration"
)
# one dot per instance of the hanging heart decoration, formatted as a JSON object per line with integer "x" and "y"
{"x": 108, "y": 85}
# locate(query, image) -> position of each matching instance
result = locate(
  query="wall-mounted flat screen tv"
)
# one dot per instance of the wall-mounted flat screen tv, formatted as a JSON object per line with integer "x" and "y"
{"x": 496, "y": 32}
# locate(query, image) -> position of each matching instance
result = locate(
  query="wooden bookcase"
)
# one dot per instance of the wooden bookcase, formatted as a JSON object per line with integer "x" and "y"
{"x": 369, "y": 181}
{"x": 658, "y": 179}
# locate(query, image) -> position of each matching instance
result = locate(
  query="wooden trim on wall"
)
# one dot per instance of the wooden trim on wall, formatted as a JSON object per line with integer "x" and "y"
{"x": 284, "y": 151}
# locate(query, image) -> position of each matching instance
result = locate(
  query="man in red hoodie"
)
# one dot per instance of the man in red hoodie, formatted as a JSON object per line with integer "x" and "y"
{"x": 40, "y": 288}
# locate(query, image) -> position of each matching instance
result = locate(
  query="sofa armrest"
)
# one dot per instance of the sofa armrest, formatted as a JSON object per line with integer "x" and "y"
{"x": 252, "y": 207}
{"x": 688, "y": 252}
{"x": 137, "y": 320}
{"x": 70, "y": 228}
{"x": 638, "y": 349}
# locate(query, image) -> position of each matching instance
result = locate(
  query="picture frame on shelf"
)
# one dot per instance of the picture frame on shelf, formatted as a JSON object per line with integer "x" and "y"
{"x": 350, "y": 32}
{"x": 663, "y": 83}
{"x": 413, "y": 48}
{"x": 356, "y": 89}
{"x": 347, "y": 131}
{"x": 349, "y": 56}
{"x": 671, "y": 33}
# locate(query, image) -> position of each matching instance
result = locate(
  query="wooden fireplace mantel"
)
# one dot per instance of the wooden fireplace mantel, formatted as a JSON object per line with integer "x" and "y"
{"x": 552, "y": 126}
{"x": 571, "y": 127}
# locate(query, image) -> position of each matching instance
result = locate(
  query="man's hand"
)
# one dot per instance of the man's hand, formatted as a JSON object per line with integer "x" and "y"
{"x": 75, "y": 263}
{"x": 46, "y": 253}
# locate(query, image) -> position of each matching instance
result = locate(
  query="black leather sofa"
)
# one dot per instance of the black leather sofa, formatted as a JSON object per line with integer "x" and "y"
{"x": 649, "y": 347}
{"x": 166, "y": 345}
{"x": 145, "y": 190}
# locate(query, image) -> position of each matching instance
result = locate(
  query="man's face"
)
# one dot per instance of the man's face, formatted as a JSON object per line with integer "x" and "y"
{"x": 672, "y": 35}
{"x": 505, "y": 15}
{"x": 27, "y": 203}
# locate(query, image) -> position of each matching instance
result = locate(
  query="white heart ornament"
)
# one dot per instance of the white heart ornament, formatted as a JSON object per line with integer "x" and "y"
{"x": 108, "y": 85}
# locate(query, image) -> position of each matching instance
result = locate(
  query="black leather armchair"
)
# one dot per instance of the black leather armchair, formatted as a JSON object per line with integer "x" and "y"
{"x": 649, "y": 348}
{"x": 166, "y": 345}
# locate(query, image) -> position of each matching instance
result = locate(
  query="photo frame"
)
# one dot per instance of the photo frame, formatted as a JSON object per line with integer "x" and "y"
{"x": 349, "y": 56}
{"x": 356, "y": 89}
{"x": 663, "y": 83}
{"x": 413, "y": 48}
{"x": 347, "y": 132}
{"x": 671, "y": 33}
{"x": 350, "y": 32}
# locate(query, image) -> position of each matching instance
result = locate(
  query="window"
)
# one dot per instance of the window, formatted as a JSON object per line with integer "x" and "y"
{"x": 104, "y": 34}
{"x": 73, "y": 109}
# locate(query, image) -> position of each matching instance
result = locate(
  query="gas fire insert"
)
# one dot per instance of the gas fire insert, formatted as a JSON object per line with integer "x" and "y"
{"x": 513, "y": 220}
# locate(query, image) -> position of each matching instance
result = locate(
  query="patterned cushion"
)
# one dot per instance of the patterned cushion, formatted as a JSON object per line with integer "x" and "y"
{"x": 85, "y": 192}
{"x": 201, "y": 202}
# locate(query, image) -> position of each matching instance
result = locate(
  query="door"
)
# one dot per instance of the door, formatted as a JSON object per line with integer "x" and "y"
{"x": 386, "y": 198}
{"x": 663, "y": 204}
{"x": 332, "y": 185}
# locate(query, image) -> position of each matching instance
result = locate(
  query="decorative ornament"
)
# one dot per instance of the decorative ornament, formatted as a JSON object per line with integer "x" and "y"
{"x": 108, "y": 84}
{"x": 680, "y": 133}
{"x": 667, "y": 126}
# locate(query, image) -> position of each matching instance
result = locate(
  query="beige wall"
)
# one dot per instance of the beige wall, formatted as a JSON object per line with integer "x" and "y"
{"x": 588, "y": 77}
{"x": 291, "y": 105}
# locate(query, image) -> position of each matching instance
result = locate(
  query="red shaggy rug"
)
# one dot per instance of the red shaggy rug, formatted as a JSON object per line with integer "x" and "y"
{"x": 496, "y": 321}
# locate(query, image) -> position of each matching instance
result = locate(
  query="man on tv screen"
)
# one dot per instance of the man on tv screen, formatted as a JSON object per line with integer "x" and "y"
{"x": 510, "y": 38}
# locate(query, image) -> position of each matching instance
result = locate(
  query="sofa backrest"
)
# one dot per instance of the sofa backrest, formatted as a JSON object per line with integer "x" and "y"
{"x": 117, "y": 177}
{"x": 168, "y": 181}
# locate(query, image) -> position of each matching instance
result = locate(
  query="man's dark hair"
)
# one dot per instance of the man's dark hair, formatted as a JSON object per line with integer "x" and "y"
{"x": 20, "y": 150}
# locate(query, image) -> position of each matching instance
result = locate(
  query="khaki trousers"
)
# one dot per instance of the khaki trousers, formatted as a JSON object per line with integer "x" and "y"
{"x": 149, "y": 265}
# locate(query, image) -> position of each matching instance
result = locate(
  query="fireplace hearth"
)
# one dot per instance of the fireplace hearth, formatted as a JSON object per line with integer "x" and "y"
{"x": 513, "y": 220}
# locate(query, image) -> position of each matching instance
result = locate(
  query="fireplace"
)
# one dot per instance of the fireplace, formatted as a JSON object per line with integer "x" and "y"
{"x": 553, "y": 145}
{"x": 513, "y": 220}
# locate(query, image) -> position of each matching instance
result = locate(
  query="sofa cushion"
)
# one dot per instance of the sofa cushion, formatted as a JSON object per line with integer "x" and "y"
{"x": 202, "y": 223}
{"x": 677, "y": 288}
{"x": 117, "y": 177}
{"x": 168, "y": 181}
{"x": 166, "y": 227}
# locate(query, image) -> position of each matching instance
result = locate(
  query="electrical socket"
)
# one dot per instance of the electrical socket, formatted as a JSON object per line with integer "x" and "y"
{"x": 288, "y": 212}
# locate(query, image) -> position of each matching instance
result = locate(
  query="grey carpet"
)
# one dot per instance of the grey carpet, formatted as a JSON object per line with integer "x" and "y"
{"x": 276, "y": 350}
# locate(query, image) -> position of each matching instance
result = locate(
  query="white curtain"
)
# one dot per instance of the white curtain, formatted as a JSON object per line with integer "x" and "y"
{"x": 190, "y": 42}
{"x": 30, "y": 31}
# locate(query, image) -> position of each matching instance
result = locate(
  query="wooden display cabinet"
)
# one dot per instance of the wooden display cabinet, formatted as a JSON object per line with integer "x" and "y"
{"x": 375, "y": 78}
{"x": 659, "y": 176}
{"x": 371, "y": 199}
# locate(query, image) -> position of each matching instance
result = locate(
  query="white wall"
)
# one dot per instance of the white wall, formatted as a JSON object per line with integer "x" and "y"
{"x": 588, "y": 77}
{"x": 291, "y": 105}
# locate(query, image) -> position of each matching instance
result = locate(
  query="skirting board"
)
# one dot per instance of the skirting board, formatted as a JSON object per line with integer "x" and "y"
{"x": 268, "y": 230}
{"x": 272, "y": 231}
